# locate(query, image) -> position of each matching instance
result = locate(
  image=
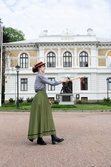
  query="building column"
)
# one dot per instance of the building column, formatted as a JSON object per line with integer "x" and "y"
{"x": 41, "y": 54}
{"x": 93, "y": 58}
{"x": 75, "y": 58}
{"x": 58, "y": 58}
{"x": 7, "y": 59}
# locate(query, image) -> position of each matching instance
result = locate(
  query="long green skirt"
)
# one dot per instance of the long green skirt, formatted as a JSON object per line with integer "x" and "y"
{"x": 41, "y": 121}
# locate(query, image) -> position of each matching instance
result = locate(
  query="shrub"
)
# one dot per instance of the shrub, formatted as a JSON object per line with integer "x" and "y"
{"x": 21, "y": 99}
{"x": 11, "y": 100}
{"x": 106, "y": 99}
{"x": 79, "y": 102}
{"x": 56, "y": 102}
{"x": 28, "y": 99}
{"x": 63, "y": 106}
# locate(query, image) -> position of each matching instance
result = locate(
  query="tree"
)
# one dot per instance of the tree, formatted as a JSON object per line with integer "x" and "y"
{"x": 9, "y": 35}
{"x": 12, "y": 35}
{"x": 5, "y": 37}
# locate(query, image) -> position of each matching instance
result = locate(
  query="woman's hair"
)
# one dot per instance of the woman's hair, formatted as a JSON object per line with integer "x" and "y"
{"x": 36, "y": 67}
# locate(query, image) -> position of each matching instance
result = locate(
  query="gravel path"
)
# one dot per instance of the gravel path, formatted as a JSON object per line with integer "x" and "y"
{"x": 87, "y": 141}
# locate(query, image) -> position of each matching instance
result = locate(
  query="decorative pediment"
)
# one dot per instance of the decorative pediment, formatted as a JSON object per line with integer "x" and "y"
{"x": 44, "y": 33}
{"x": 66, "y": 32}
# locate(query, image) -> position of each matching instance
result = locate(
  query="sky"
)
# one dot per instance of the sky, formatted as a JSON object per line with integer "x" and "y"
{"x": 34, "y": 16}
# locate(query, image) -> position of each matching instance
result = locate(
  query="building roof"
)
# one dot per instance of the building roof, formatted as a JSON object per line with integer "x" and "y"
{"x": 64, "y": 37}
{"x": 103, "y": 39}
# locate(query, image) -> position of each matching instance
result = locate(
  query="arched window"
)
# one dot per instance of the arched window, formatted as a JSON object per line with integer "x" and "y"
{"x": 67, "y": 59}
{"x": 24, "y": 60}
{"x": 51, "y": 59}
{"x": 109, "y": 59}
{"x": 83, "y": 59}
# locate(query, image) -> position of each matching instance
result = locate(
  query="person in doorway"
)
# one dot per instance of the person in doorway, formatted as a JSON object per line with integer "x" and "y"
{"x": 41, "y": 121}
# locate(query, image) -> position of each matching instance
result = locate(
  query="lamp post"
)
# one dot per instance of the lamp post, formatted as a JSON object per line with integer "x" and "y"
{"x": 108, "y": 86}
{"x": 17, "y": 70}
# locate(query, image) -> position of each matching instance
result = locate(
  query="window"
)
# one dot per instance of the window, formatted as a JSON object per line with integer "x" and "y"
{"x": 51, "y": 99}
{"x": 84, "y": 83}
{"x": 24, "y": 60}
{"x": 67, "y": 59}
{"x": 51, "y": 59}
{"x": 109, "y": 59}
{"x": 24, "y": 84}
{"x": 50, "y": 87}
{"x": 84, "y": 98}
{"x": 83, "y": 59}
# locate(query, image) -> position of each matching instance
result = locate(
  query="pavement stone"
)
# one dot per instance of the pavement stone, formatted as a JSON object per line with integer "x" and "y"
{"x": 87, "y": 141}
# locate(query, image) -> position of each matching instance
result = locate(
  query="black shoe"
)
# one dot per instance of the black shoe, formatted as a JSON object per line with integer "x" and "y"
{"x": 31, "y": 140}
{"x": 56, "y": 139}
{"x": 41, "y": 141}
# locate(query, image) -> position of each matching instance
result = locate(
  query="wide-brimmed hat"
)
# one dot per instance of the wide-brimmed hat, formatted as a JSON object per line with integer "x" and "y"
{"x": 38, "y": 64}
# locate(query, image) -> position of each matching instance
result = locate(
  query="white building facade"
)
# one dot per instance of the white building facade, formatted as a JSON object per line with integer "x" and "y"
{"x": 65, "y": 55}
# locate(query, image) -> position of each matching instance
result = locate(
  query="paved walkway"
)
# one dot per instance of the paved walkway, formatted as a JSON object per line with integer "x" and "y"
{"x": 87, "y": 141}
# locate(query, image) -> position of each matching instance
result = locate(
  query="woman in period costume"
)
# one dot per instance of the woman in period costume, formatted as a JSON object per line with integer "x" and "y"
{"x": 41, "y": 121}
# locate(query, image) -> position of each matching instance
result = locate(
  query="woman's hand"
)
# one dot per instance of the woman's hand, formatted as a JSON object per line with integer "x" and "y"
{"x": 50, "y": 103}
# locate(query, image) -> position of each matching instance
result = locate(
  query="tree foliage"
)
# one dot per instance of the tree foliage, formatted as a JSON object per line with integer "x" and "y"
{"x": 9, "y": 35}
{"x": 12, "y": 35}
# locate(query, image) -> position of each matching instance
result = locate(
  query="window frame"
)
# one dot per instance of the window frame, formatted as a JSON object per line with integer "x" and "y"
{"x": 51, "y": 59}
{"x": 67, "y": 59}
{"x": 24, "y": 84}
{"x": 83, "y": 59}
{"x": 84, "y": 84}
{"x": 24, "y": 60}
{"x": 51, "y": 87}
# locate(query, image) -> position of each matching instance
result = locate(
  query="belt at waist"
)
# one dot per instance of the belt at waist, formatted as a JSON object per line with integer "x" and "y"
{"x": 39, "y": 90}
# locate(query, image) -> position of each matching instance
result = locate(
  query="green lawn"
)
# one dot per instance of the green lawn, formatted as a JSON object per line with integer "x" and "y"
{"x": 85, "y": 107}
{"x": 27, "y": 107}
